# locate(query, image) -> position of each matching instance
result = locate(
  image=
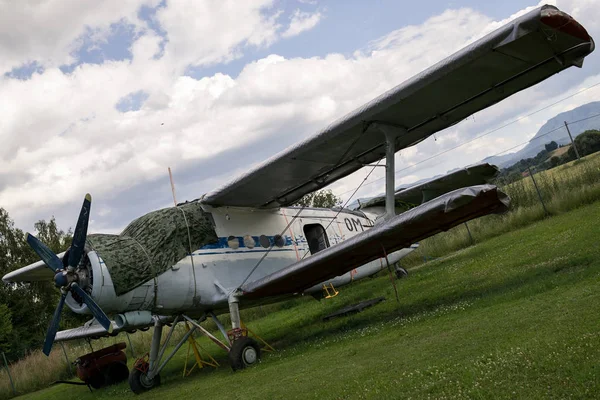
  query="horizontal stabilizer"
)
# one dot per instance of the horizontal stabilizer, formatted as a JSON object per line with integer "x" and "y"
{"x": 414, "y": 195}
{"x": 399, "y": 232}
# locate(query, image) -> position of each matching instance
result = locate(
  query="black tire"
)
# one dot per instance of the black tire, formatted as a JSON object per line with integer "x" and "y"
{"x": 245, "y": 352}
{"x": 139, "y": 382}
{"x": 97, "y": 380}
{"x": 401, "y": 272}
{"x": 116, "y": 373}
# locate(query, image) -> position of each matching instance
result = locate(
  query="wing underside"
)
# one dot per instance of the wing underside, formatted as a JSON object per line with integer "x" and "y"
{"x": 399, "y": 232}
{"x": 432, "y": 188}
{"x": 518, "y": 55}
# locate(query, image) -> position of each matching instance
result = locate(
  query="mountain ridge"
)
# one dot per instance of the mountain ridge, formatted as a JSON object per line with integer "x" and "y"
{"x": 579, "y": 120}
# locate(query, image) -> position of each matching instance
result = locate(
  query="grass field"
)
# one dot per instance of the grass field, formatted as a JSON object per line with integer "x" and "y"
{"x": 513, "y": 317}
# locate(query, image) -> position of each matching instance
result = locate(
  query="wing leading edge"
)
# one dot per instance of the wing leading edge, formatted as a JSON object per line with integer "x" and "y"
{"x": 518, "y": 55}
{"x": 399, "y": 232}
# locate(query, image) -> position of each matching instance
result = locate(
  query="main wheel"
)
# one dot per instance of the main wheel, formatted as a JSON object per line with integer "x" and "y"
{"x": 139, "y": 382}
{"x": 401, "y": 272}
{"x": 244, "y": 352}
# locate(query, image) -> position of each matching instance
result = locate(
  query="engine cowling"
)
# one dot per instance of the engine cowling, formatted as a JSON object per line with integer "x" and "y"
{"x": 95, "y": 278}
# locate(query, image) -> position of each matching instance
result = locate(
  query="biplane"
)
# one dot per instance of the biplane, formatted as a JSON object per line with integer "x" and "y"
{"x": 245, "y": 243}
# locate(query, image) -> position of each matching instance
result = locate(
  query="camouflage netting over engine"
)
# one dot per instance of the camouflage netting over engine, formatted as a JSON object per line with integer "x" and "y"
{"x": 152, "y": 244}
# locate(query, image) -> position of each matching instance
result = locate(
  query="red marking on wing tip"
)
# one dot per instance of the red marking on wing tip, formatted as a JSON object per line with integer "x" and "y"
{"x": 563, "y": 22}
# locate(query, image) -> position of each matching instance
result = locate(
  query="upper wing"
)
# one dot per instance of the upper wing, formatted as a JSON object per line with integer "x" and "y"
{"x": 432, "y": 188}
{"x": 37, "y": 271}
{"x": 520, "y": 54}
{"x": 399, "y": 232}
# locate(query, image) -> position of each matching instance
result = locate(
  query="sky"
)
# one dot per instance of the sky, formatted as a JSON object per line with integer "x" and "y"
{"x": 103, "y": 97}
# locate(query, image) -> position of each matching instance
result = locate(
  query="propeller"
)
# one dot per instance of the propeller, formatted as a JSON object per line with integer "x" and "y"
{"x": 66, "y": 278}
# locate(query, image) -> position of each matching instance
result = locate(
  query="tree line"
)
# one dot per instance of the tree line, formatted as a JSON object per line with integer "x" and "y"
{"x": 26, "y": 308}
{"x": 587, "y": 142}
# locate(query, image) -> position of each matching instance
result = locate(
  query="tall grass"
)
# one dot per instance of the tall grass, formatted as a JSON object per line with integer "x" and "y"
{"x": 562, "y": 189}
{"x": 33, "y": 373}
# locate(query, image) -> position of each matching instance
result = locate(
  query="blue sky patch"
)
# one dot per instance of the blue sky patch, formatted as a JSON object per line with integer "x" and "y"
{"x": 114, "y": 48}
{"x": 25, "y": 71}
{"x": 148, "y": 14}
{"x": 132, "y": 102}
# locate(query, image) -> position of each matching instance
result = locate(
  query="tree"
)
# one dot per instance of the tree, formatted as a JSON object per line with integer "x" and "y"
{"x": 554, "y": 161}
{"x": 587, "y": 143}
{"x": 56, "y": 239}
{"x": 31, "y": 305}
{"x": 5, "y": 325}
{"x": 551, "y": 146}
{"x": 321, "y": 199}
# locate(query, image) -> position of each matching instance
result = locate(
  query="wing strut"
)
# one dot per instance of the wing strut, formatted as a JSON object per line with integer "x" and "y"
{"x": 391, "y": 132}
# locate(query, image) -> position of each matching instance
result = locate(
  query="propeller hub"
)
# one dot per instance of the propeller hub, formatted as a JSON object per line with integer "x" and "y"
{"x": 61, "y": 279}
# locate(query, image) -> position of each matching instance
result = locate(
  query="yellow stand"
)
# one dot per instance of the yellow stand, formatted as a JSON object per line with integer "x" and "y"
{"x": 266, "y": 346}
{"x": 328, "y": 294}
{"x": 200, "y": 363}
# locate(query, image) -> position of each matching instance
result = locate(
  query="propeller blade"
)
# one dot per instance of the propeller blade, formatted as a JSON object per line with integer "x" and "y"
{"x": 94, "y": 308}
{"x": 44, "y": 252}
{"x": 53, "y": 328}
{"x": 80, "y": 233}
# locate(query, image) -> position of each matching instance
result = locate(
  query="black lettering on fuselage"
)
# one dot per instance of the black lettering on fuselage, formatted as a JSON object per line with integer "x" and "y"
{"x": 357, "y": 223}
{"x": 348, "y": 224}
{"x": 353, "y": 224}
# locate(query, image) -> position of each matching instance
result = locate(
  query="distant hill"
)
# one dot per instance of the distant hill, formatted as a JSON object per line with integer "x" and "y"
{"x": 560, "y": 136}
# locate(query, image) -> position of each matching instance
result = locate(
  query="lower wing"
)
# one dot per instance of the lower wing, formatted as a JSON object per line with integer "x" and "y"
{"x": 399, "y": 232}
{"x": 31, "y": 273}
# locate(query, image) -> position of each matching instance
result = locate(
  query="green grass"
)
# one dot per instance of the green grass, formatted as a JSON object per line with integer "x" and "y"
{"x": 513, "y": 317}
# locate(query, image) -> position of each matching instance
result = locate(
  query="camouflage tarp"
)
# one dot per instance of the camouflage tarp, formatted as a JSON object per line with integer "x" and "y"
{"x": 152, "y": 244}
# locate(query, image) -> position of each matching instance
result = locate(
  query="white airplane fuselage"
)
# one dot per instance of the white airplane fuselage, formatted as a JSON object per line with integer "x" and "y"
{"x": 204, "y": 280}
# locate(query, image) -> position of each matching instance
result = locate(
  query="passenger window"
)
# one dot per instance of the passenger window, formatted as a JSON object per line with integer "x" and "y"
{"x": 316, "y": 237}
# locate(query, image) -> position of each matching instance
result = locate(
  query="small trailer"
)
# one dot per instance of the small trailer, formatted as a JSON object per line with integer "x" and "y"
{"x": 103, "y": 367}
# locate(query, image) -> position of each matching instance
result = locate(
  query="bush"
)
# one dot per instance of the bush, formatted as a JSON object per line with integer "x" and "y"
{"x": 587, "y": 143}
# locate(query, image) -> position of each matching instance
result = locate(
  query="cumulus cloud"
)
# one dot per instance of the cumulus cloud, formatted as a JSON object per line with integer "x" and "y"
{"x": 208, "y": 32}
{"x": 301, "y": 21}
{"x": 49, "y": 31}
{"x": 63, "y": 134}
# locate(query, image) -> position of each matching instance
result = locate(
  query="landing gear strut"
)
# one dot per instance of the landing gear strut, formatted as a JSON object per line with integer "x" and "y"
{"x": 245, "y": 351}
{"x": 145, "y": 373}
